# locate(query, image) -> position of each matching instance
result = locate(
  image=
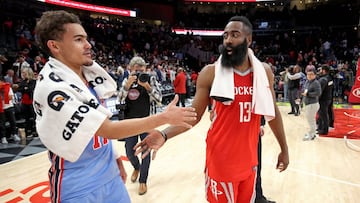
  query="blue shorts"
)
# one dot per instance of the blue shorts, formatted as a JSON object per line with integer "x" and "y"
{"x": 112, "y": 192}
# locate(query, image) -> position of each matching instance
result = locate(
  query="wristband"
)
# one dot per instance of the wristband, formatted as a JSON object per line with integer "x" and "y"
{"x": 164, "y": 135}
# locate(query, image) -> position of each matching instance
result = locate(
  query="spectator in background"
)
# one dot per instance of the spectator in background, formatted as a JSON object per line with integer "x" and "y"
{"x": 348, "y": 81}
{"x": 163, "y": 74}
{"x": 309, "y": 67}
{"x": 9, "y": 109}
{"x": 126, "y": 72}
{"x": 26, "y": 88}
{"x": 120, "y": 76}
{"x": 180, "y": 86}
{"x": 137, "y": 93}
{"x": 38, "y": 65}
{"x": 9, "y": 77}
{"x": 194, "y": 77}
{"x": 285, "y": 80}
{"x": 311, "y": 94}
{"x": 325, "y": 100}
{"x": 172, "y": 73}
{"x": 294, "y": 76}
{"x": 158, "y": 69}
{"x": 4, "y": 97}
{"x": 20, "y": 64}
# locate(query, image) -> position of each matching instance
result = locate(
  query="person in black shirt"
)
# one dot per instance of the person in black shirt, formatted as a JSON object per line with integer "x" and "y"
{"x": 325, "y": 99}
{"x": 26, "y": 88}
{"x": 137, "y": 92}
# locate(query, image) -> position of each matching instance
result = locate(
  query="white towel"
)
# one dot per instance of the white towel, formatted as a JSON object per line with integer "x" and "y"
{"x": 262, "y": 99}
{"x": 223, "y": 87}
{"x": 68, "y": 114}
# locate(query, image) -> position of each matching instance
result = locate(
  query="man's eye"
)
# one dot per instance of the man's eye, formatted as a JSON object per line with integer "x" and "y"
{"x": 235, "y": 35}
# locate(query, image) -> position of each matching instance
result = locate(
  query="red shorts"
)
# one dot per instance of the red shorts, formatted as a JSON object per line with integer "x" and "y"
{"x": 231, "y": 192}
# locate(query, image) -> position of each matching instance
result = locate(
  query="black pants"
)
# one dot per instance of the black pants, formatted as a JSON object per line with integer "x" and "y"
{"x": 130, "y": 142}
{"x": 323, "y": 117}
{"x": 331, "y": 114}
{"x": 293, "y": 95}
{"x": 29, "y": 115}
{"x": 10, "y": 117}
{"x": 258, "y": 187}
{"x": 182, "y": 98}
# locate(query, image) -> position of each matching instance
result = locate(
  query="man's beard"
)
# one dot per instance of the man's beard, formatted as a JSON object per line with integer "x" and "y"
{"x": 237, "y": 57}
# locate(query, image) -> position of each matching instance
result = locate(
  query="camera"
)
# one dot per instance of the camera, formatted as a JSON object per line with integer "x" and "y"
{"x": 143, "y": 77}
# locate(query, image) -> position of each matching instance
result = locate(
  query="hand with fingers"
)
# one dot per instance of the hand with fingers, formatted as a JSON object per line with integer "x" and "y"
{"x": 283, "y": 161}
{"x": 180, "y": 116}
{"x": 153, "y": 141}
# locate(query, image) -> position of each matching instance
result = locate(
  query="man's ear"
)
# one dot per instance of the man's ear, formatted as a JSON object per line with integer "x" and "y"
{"x": 249, "y": 40}
{"x": 52, "y": 46}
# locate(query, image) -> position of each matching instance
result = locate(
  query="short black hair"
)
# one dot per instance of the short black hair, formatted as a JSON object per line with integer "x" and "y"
{"x": 51, "y": 27}
{"x": 326, "y": 68}
{"x": 244, "y": 20}
{"x": 313, "y": 70}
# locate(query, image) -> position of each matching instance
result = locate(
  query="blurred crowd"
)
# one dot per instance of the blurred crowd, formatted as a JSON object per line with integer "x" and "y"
{"x": 116, "y": 41}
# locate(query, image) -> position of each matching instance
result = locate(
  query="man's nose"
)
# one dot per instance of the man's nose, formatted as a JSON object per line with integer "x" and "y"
{"x": 88, "y": 44}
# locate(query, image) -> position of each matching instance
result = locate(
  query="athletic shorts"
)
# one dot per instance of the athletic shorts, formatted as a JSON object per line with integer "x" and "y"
{"x": 231, "y": 192}
{"x": 112, "y": 192}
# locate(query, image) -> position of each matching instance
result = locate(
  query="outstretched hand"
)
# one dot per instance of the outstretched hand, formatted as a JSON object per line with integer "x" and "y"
{"x": 174, "y": 115}
{"x": 152, "y": 142}
{"x": 180, "y": 116}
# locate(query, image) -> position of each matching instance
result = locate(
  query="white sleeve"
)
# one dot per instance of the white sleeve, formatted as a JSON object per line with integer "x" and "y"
{"x": 294, "y": 76}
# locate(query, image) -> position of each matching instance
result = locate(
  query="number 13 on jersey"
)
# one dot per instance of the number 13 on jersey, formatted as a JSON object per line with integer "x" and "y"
{"x": 245, "y": 112}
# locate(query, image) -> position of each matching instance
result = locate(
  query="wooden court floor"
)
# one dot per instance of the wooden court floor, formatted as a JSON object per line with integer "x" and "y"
{"x": 323, "y": 170}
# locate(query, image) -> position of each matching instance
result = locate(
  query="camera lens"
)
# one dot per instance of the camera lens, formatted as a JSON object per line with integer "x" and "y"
{"x": 144, "y": 77}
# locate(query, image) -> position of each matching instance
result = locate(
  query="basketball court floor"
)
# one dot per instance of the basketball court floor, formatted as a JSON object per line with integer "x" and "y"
{"x": 323, "y": 170}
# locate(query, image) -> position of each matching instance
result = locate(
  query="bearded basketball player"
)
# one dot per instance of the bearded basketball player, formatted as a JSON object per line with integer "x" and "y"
{"x": 232, "y": 139}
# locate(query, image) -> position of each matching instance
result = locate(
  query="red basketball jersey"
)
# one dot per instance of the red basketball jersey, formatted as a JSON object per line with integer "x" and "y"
{"x": 231, "y": 143}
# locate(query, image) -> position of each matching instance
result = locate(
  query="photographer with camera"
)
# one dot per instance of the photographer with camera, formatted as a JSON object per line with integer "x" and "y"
{"x": 136, "y": 94}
